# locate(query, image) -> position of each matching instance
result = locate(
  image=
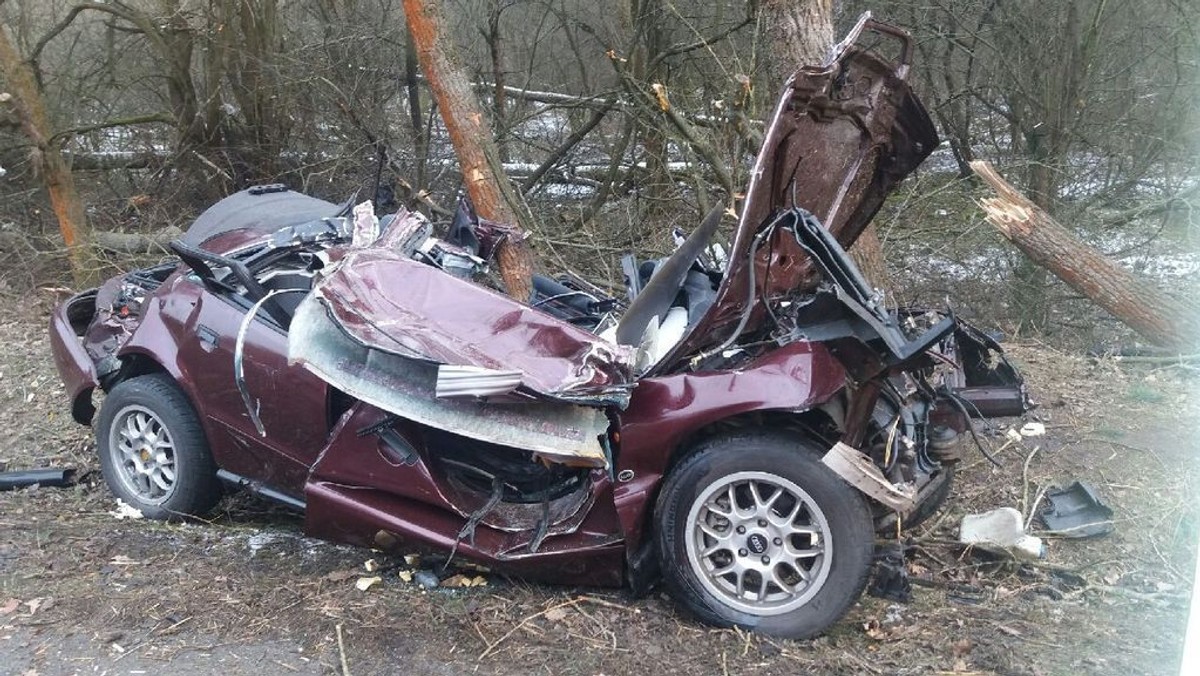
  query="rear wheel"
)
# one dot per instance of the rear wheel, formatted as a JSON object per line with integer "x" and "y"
{"x": 153, "y": 453}
{"x": 754, "y": 531}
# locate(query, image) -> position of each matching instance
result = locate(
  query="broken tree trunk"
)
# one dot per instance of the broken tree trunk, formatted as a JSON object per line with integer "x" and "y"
{"x": 30, "y": 108}
{"x": 1159, "y": 318}
{"x": 494, "y": 197}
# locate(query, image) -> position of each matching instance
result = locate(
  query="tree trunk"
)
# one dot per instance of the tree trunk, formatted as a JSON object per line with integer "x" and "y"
{"x": 30, "y": 108}
{"x": 473, "y": 142}
{"x": 796, "y": 33}
{"x": 1161, "y": 319}
{"x": 800, "y": 33}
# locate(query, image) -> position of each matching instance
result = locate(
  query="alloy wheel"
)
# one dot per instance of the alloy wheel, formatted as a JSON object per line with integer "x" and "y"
{"x": 758, "y": 542}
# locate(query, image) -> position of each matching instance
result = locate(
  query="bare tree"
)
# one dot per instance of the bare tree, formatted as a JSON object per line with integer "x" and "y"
{"x": 474, "y": 144}
{"x": 1170, "y": 322}
{"x": 29, "y": 105}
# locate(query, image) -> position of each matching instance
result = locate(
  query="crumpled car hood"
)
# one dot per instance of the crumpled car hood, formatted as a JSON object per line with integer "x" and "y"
{"x": 389, "y": 302}
{"x": 841, "y": 139}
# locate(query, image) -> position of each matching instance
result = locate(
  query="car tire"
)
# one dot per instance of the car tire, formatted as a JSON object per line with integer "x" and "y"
{"x": 800, "y": 572}
{"x": 930, "y": 506}
{"x": 153, "y": 452}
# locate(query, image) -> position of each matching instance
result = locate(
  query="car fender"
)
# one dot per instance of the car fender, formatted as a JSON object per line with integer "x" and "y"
{"x": 665, "y": 412}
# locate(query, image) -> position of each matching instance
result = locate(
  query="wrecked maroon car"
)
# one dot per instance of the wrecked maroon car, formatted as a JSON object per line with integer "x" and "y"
{"x": 740, "y": 427}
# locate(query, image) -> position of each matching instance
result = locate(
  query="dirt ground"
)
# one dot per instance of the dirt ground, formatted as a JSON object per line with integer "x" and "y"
{"x": 83, "y": 592}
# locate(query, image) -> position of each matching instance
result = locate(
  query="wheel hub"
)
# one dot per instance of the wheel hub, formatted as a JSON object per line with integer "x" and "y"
{"x": 758, "y": 542}
{"x": 143, "y": 454}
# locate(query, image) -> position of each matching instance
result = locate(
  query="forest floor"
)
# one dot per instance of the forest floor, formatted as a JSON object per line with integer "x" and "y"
{"x": 82, "y": 591}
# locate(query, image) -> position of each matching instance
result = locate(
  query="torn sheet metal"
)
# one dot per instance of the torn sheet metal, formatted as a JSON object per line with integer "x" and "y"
{"x": 406, "y": 387}
{"x": 393, "y": 304}
{"x": 841, "y": 138}
{"x": 858, "y": 470}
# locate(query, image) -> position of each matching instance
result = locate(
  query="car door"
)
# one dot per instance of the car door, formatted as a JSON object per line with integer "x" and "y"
{"x": 291, "y": 405}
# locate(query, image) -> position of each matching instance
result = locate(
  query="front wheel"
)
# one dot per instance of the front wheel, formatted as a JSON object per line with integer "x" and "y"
{"x": 153, "y": 452}
{"x": 755, "y": 532}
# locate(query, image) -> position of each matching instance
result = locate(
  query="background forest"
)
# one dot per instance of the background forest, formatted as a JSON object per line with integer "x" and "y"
{"x": 160, "y": 107}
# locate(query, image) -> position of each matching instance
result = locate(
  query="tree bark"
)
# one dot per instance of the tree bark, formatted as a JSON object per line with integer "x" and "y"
{"x": 494, "y": 197}
{"x": 797, "y": 33}
{"x": 1161, "y": 319}
{"x": 800, "y": 33}
{"x": 30, "y": 107}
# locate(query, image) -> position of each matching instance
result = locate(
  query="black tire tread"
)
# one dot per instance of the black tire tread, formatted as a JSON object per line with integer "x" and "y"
{"x": 823, "y": 610}
{"x": 197, "y": 488}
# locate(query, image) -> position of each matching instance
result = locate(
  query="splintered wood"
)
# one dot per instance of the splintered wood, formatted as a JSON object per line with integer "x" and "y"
{"x": 1168, "y": 321}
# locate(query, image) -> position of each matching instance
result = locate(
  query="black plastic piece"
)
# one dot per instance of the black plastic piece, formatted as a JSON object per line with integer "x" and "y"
{"x": 890, "y": 580}
{"x": 49, "y": 477}
{"x": 259, "y": 488}
{"x": 1076, "y": 512}
{"x": 266, "y": 189}
{"x": 202, "y": 262}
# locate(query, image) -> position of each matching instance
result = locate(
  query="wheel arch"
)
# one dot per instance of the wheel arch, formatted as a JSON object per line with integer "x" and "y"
{"x": 809, "y": 423}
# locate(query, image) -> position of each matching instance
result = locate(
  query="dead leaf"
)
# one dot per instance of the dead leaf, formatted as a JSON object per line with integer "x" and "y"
{"x": 34, "y": 604}
{"x": 556, "y": 614}
{"x": 365, "y": 583}
{"x": 371, "y": 565}
{"x": 9, "y": 606}
{"x": 405, "y": 575}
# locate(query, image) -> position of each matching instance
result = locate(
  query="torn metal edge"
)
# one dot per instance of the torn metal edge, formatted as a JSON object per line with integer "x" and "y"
{"x": 560, "y": 432}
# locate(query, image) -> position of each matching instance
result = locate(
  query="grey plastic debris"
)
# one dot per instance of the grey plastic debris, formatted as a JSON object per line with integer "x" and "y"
{"x": 1076, "y": 512}
{"x": 1000, "y": 530}
{"x": 426, "y": 579}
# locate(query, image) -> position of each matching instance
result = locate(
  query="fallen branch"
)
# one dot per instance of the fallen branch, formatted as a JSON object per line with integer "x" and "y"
{"x": 342, "y": 651}
{"x": 1162, "y": 319}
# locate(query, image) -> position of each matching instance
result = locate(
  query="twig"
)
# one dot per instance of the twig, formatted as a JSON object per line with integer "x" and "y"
{"x": 1025, "y": 480}
{"x": 342, "y": 650}
{"x": 490, "y": 649}
{"x": 1033, "y": 508}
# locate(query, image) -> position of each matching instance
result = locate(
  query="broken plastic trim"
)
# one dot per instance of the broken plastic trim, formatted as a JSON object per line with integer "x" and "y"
{"x": 860, "y": 472}
{"x": 474, "y": 381}
{"x": 50, "y": 477}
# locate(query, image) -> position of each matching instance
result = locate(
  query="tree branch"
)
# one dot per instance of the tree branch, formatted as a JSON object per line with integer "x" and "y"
{"x": 561, "y": 151}
{"x": 152, "y": 118}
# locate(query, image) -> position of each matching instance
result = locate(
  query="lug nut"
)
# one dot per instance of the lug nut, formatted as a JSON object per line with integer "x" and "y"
{"x": 762, "y": 523}
{"x": 778, "y": 542}
{"x": 742, "y": 552}
{"x": 766, "y": 559}
{"x": 741, "y": 530}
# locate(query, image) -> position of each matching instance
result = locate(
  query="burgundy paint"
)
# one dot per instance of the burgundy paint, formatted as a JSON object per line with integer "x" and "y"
{"x": 665, "y": 411}
{"x": 391, "y": 302}
{"x": 356, "y": 515}
{"x": 844, "y": 145}
{"x": 840, "y": 140}
{"x": 75, "y": 367}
